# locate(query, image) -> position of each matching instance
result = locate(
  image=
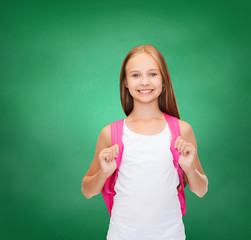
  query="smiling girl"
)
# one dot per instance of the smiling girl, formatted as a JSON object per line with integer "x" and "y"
{"x": 147, "y": 203}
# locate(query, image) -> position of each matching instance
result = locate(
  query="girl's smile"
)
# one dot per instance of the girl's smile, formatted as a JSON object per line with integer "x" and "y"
{"x": 145, "y": 91}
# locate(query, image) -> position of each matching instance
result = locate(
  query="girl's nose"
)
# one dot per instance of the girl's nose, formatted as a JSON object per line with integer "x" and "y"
{"x": 144, "y": 80}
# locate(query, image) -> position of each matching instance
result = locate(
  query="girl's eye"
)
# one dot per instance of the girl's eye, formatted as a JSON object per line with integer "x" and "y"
{"x": 153, "y": 74}
{"x": 135, "y": 75}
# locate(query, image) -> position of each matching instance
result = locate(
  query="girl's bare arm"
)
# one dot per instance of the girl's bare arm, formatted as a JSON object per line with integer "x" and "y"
{"x": 95, "y": 178}
{"x": 197, "y": 179}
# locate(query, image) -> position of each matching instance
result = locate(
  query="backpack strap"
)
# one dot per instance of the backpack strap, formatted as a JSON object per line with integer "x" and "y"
{"x": 108, "y": 191}
{"x": 117, "y": 133}
{"x": 174, "y": 127}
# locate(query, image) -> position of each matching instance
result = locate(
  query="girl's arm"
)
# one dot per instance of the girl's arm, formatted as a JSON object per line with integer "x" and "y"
{"x": 95, "y": 178}
{"x": 189, "y": 161}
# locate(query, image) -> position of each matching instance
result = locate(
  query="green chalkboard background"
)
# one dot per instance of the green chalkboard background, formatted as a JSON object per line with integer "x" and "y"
{"x": 59, "y": 66}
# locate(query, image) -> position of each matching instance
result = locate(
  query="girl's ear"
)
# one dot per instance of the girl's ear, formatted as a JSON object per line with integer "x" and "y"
{"x": 125, "y": 83}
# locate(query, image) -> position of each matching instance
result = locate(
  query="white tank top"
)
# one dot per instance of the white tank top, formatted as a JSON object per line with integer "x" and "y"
{"x": 146, "y": 204}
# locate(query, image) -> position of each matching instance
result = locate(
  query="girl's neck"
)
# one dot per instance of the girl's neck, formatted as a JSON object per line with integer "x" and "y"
{"x": 145, "y": 112}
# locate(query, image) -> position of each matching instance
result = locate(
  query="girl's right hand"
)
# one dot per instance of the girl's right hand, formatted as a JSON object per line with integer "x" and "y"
{"x": 107, "y": 159}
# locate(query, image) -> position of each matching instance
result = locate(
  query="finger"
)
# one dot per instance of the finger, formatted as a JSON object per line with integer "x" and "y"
{"x": 116, "y": 149}
{"x": 183, "y": 147}
{"x": 106, "y": 157}
{"x": 115, "y": 146}
{"x": 186, "y": 150}
{"x": 114, "y": 154}
{"x": 179, "y": 145}
{"x": 104, "y": 151}
{"x": 111, "y": 156}
{"x": 177, "y": 141}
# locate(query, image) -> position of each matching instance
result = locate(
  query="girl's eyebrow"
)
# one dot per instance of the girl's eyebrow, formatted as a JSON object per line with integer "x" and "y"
{"x": 148, "y": 70}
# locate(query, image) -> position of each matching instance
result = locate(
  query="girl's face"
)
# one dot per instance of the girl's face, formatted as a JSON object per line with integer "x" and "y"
{"x": 143, "y": 78}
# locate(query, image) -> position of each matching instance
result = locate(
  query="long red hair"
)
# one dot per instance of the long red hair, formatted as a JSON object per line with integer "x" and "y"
{"x": 167, "y": 101}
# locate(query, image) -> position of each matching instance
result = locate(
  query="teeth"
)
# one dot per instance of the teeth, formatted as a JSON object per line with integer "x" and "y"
{"x": 145, "y": 91}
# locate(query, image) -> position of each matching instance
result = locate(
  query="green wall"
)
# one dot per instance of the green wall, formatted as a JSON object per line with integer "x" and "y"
{"x": 60, "y": 66}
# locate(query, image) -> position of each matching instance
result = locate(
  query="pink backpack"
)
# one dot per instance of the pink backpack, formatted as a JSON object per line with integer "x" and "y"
{"x": 108, "y": 191}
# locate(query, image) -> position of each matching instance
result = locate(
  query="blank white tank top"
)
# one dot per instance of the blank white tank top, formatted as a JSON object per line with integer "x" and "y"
{"x": 146, "y": 204}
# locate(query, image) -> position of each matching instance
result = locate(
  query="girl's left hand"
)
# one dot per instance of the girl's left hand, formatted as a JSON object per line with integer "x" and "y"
{"x": 188, "y": 154}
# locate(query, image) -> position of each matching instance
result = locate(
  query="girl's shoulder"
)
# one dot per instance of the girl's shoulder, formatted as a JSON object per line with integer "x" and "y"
{"x": 184, "y": 124}
{"x": 105, "y": 135}
{"x": 185, "y": 129}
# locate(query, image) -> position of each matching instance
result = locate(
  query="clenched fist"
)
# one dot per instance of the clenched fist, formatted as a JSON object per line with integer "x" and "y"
{"x": 107, "y": 159}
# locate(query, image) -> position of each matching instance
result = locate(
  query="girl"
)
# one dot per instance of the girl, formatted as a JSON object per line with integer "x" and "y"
{"x": 146, "y": 205}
